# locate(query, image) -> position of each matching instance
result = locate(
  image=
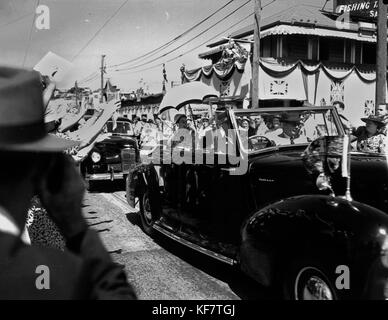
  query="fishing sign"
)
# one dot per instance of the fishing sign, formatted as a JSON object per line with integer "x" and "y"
{"x": 361, "y": 8}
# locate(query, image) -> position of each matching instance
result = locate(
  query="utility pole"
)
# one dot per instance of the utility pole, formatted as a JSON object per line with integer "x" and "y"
{"x": 256, "y": 56}
{"x": 381, "y": 55}
{"x": 102, "y": 78}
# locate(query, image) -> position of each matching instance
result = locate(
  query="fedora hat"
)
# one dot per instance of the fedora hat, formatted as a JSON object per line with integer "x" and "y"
{"x": 378, "y": 120}
{"x": 22, "y": 126}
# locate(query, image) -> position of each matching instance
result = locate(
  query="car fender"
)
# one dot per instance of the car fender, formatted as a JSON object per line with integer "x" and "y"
{"x": 337, "y": 231}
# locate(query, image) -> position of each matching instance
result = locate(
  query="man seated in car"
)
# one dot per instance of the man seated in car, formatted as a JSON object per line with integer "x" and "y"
{"x": 290, "y": 132}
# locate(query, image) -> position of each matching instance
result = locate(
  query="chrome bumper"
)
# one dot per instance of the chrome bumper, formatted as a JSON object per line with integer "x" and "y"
{"x": 105, "y": 176}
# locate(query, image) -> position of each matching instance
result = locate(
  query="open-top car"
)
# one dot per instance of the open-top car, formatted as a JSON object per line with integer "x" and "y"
{"x": 113, "y": 155}
{"x": 281, "y": 196}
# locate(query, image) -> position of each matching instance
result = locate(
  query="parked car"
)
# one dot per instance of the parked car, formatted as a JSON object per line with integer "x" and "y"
{"x": 113, "y": 155}
{"x": 295, "y": 220}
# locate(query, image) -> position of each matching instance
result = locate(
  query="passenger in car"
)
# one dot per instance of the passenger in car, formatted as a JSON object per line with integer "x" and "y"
{"x": 260, "y": 126}
{"x": 369, "y": 138}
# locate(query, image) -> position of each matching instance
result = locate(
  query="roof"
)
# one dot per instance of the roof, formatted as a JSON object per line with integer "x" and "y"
{"x": 297, "y": 15}
{"x": 109, "y": 87}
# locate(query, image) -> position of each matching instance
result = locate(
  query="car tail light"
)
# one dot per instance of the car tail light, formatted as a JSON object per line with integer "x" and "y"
{"x": 128, "y": 158}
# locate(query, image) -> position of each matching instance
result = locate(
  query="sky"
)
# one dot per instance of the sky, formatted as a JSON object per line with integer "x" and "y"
{"x": 137, "y": 28}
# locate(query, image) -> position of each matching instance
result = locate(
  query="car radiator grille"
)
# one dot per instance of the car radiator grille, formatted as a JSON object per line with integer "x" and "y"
{"x": 128, "y": 158}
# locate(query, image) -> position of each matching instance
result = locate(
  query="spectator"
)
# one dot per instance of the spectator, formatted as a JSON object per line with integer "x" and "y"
{"x": 340, "y": 106}
{"x": 368, "y": 137}
{"x": 383, "y": 113}
{"x": 382, "y": 110}
{"x": 32, "y": 162}
{"x": 203, "y": 127}
{"x": 137, "y": 127}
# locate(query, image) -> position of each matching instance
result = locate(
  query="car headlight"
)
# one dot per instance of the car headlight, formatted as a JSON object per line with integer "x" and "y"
{"x": 96, "y": 157}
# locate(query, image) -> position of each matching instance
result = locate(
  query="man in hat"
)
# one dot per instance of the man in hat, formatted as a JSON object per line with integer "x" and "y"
{"x": 33, "y": 163}
{"x": 184, "y": 136}
{"x": 290, "y": 134}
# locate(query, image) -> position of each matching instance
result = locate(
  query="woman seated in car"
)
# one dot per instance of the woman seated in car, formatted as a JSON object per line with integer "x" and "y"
{"x": 369, "y": 137}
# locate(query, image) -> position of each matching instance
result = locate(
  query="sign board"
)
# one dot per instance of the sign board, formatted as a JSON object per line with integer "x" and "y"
{"x": 361, "y": 8}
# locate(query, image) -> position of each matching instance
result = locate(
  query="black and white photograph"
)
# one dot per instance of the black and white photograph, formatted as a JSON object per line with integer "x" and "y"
{"x": 193, "y": 154}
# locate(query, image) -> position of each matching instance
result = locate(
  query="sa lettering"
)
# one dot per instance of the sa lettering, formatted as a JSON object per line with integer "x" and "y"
{"x": 343, "y": 280}
{"x": 43, "y": 280}
{"x": 42, "y": 21}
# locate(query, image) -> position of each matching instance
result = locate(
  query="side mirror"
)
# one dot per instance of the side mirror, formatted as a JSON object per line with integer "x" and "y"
{"x": 323, "y": 184}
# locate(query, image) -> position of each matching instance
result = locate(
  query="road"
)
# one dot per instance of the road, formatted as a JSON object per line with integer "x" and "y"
{"x": 160, "y": 269}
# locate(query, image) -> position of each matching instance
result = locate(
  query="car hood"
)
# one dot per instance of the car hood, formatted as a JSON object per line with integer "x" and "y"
{"x": 284, "y": 172}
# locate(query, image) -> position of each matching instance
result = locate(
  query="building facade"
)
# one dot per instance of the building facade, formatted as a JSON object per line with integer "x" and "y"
{"x": 307, "y": 55}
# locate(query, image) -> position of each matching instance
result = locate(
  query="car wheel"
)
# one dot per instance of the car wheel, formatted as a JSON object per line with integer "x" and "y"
{"x": 146, "y": 217}
{"x": 308, "y": 281}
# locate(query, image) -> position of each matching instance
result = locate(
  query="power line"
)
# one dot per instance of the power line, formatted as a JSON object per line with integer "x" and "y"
{"x": 196, "y": 47}
{"x": 190, "y": 40}
{"x": 30, "y": 36}
{"x": 160, "y": 48}
{"x": 99, "y": 30}
{"x": 89, "y": 76}
{"x": 91, "y": 79}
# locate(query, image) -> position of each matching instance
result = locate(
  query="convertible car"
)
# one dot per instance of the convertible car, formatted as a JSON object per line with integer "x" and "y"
{"x": 283, "y": 197}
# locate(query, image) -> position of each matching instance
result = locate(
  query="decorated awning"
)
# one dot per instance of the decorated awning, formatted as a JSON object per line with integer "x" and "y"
{"x": 276, "y": 81}
{"x": 321, "y": 32}
{"x": 319, "y": 84}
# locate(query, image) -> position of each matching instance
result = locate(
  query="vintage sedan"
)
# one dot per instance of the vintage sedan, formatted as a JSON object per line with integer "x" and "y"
{"x": 113, "y": 155}
{"x": 297, "y": 212}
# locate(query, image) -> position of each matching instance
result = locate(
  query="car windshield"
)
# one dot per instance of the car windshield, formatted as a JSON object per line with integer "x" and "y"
{"x": 122, "y": 127}
{"x": 263, "y": 129}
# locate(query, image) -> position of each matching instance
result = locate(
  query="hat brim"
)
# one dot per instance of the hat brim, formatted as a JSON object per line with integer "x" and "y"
{"x": 371, "y": 120}
{"x": 48, "y": 143}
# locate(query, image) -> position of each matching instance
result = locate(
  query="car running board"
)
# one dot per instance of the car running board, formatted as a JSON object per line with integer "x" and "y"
{"x": 195, "y": 247}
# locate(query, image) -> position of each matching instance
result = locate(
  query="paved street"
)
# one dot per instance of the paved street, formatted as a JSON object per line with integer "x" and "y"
{"x": 160, "y": 269}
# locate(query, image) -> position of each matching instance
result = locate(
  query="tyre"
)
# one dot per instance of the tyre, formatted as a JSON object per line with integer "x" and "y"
{"x": 146, "y": 217}
{"x": 308, "y": 280}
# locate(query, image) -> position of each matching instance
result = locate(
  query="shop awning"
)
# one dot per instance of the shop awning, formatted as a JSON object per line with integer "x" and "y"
{"x": 289, "y": 30}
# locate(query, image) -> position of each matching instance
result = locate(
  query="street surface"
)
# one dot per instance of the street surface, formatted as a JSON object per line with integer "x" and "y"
{"x": 160, "y": 269}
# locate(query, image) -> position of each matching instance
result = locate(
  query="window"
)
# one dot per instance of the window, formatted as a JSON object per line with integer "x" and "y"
{"x": 358, "y": 53}
{"x": 369, "y": 53}
{"x": 331, "y": 49}
{"x": 268, "y": 48}
{"x": 295, "y": 47}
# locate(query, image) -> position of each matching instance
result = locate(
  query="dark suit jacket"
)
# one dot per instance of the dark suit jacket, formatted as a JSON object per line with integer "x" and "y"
{"x": 89, "y": 274}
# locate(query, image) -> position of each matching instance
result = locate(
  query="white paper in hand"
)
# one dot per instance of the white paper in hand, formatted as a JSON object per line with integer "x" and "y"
{"x": 53, "y": 66}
